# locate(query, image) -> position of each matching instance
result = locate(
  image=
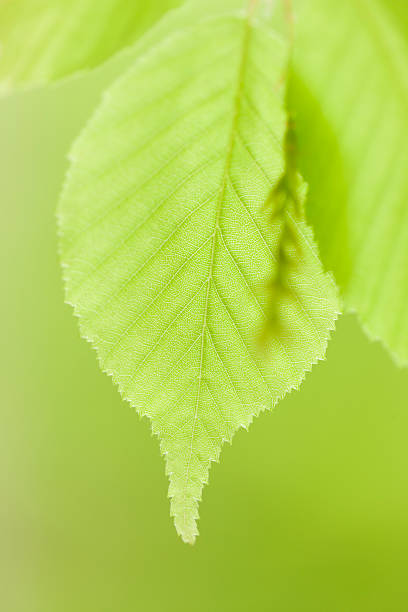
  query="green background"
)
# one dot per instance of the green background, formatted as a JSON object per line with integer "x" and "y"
{"x": 307, "y": 512}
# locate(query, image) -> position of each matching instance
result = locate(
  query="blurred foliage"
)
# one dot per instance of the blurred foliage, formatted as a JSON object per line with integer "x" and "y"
{"x": 44, "y": 40}
{"x": 349, "y": 95}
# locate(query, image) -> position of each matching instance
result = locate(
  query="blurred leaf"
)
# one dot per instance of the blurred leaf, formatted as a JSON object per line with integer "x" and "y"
{"x": 167, "y": 247}
{"x": 44, "y": 40}
{"x": 350, "y": 98}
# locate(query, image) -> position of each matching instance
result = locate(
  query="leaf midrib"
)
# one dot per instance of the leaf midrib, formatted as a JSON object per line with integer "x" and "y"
{"x": 216, "y": 227}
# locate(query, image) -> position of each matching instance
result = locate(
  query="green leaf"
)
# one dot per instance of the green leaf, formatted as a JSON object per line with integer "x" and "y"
{"x": 44, "y": 40}
{"x": 168, "y": 248}
{"x": 350, "y": 99}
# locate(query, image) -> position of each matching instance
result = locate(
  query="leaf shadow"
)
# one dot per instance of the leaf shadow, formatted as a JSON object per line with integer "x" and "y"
{"x": 322, "y": 166}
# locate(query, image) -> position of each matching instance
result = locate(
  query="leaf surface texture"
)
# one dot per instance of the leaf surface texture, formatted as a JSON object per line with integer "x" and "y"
{"x": 167, "y": 247}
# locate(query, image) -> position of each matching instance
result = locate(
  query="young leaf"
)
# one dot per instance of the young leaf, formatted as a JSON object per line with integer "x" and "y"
{"x": 43, "y": 40}
{"x": 350, "y": 99}
{"x": 168, "y": 247}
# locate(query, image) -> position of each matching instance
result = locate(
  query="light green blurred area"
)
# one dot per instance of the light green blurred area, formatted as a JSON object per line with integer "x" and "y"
{"x": 306, "y": 512}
